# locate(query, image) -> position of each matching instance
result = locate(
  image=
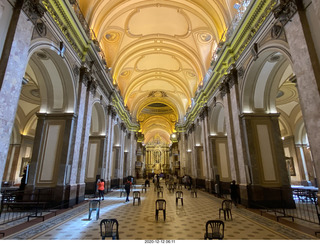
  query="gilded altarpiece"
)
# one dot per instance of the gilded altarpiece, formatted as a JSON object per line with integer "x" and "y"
{"x": 157, "y": 156}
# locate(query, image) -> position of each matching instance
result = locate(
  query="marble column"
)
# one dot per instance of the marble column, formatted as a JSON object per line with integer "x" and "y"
{"x": 306, "y": 68}
{"x": 110, "y": 122}
{"x": 121, "y": 158}
{"x": 13, "y": 63}
{"x": 194, "y": 152}
{"x": 183, "y": 153}
{"x": 133, "y": 148}
{"x": 206, "y": 147}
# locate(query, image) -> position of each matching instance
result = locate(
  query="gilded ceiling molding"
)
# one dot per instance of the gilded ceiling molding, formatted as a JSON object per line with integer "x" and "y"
{"x": 138, "y": 10}
{"x": 174, "y": 79}
{"x": 155, "y": 45}
{"x": 118, "y": 106}
{"x": 67, "y": 23}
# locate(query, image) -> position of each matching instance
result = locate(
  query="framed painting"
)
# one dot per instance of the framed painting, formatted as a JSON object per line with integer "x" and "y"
{"x": 290, "y": 166}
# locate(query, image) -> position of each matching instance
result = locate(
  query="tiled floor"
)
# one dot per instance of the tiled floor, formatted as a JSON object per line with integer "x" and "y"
{"x": 185, "y": 222}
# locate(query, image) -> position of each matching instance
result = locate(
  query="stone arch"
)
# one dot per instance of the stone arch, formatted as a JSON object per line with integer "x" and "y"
{"x": 217, "y": 120}
{"x": 54, "y": 76}
{"x": 48, "y": 88}
{"x": 270, "y": 88}
{"x": 98, "y": 120}
{"x": 262, "y": 80}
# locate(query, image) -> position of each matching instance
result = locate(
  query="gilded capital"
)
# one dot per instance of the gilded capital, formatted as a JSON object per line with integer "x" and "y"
{"x": 33, "y": 9}
{"x": 285, "y": 10}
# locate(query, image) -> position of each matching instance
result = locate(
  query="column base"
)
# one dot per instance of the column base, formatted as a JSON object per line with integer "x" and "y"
{"x": 254, "y": 196}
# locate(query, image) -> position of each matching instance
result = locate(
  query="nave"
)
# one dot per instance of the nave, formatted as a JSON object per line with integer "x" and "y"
{"x": 137, "y": 222}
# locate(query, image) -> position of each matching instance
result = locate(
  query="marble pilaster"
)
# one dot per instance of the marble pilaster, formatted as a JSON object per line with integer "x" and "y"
{"x": 242, "y": 177}
{"x": 270, "y": 182}
{"x": 307, "y": 70}
{"x": 206, "y": 147}
{"x": 12, "y": 67}
{"x": 110, "y": 124}
{"x": 225, "y": 93}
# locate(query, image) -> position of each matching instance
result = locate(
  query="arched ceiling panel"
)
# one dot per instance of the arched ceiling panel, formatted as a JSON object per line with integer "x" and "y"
{"x": 157, "y": 47}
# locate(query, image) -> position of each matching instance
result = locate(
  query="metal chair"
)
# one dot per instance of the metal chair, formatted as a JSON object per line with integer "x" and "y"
{"x": 214, "y": 230}
{"x": 226, "y": 208}
{"x": 160, "y": 191}
{"x": 122, "y": 191}
{"x": 136, "y": 195}
{"x": 94, "y": 205}
{"x": 194, "y": 192}
{"x": 144, "y": 187}
{"x": 179, "y": 195}
{"x": 161, "y": 206}
{"x": 171, "y": 188}
{"x": 109, "y": 228}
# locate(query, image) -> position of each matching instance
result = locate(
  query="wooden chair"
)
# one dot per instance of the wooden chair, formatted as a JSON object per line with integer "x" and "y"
{"x": 109, "y": 228}
{"x": 214, "y": 230}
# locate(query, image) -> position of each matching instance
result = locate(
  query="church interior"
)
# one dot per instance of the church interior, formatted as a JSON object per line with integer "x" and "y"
{"x": 198, "y": 103}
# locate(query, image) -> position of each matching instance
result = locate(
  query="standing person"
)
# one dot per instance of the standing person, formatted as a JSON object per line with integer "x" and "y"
{"x": 100, "y": 185}
{"x": 127, "y": 188}
{"x": 234, "y": 193}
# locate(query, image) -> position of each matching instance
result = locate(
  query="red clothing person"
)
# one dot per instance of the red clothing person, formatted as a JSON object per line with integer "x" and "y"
{"x": 100, "y": 185}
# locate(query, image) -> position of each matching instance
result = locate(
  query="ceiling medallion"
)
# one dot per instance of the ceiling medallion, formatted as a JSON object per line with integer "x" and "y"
{"x": 125, "y": 73}
{"x": 112, "y": 36}
{"x": 157, "y": 94}
{"x": 42, "y": 55}
{"x": 190, "y": 74}
{"x": 204, "y": 37}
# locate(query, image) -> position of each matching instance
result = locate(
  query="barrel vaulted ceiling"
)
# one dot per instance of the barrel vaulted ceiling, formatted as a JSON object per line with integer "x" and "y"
{"x": 158, "y": 52}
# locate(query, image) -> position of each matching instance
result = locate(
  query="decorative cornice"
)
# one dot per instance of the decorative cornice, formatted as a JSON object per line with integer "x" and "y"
{"x": 68, "y": 25}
